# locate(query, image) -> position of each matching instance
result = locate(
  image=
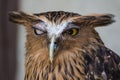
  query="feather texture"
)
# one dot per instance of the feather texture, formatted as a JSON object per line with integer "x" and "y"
{"x": 82, "y": 56}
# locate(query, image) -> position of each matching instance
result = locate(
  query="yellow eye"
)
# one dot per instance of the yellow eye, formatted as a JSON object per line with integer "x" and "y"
{"x": 73, "y": 31}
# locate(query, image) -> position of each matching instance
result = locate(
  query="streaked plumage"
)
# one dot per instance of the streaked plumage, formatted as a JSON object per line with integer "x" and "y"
{"x": 65, "y": 46}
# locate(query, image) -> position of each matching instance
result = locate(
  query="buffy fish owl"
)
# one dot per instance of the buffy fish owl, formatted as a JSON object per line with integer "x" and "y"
{"x": 65, "y": 46}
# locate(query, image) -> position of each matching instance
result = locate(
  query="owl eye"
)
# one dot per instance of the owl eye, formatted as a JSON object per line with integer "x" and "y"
{"x": 38, "y": 32}
{"x": 73, "y": 31}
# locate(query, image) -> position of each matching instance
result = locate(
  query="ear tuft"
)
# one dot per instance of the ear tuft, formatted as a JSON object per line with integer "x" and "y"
{"x": 102, "y": 20}
{"x": 16, "y": 17}
{"x": 96, "y": 20}
{"x": 21, "y": 17}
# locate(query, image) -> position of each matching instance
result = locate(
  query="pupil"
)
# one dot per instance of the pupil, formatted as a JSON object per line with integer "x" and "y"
{"x": 70, "y": 32}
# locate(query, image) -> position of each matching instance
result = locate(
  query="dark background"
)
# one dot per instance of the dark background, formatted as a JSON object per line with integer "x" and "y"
{"x": 8, "y": 34}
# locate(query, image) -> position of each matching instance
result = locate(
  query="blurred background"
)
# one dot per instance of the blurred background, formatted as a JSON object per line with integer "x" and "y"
{"x": 12, "y": 36}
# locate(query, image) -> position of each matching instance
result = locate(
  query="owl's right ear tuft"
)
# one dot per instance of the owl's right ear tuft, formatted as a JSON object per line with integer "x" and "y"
{"x": 17, "y": 17}
{"x": 21, "y": 17}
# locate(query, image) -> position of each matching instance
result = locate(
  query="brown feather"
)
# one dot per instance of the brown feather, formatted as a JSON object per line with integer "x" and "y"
{"x": 80, "y": 57}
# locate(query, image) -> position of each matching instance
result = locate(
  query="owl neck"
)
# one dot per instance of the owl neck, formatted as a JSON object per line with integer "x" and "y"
{"x": 71, "y": 65}
{"x": 68, "y": 65}
{"x": 64, "y": 67}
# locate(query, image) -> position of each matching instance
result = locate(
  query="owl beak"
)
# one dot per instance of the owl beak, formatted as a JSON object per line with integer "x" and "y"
{"x": 52, "y": 48}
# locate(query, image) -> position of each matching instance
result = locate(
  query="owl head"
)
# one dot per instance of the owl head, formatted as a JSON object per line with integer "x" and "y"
{"x": 58, "y": 31}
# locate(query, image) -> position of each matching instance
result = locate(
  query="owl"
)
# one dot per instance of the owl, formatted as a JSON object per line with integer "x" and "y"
{"x": 65, "y": 46}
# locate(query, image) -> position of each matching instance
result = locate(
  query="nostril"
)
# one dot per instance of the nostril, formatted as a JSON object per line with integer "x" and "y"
{"x": 55, "y": 43}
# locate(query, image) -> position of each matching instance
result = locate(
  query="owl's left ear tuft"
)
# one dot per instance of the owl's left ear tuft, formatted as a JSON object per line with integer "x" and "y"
{"x": 95, "y": 20}
{"x": 102, "y": 20}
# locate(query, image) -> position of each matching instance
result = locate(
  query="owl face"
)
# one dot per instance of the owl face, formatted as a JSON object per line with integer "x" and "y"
{"x": 56, "y": 34}
{"x": 60, "y": 30}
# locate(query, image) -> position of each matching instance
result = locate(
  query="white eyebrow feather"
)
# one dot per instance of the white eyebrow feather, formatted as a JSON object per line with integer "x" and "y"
{"x": 56, "y": 30}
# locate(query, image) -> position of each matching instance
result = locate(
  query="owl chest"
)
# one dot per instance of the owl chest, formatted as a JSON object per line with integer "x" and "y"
{"x": 64, "y": 71}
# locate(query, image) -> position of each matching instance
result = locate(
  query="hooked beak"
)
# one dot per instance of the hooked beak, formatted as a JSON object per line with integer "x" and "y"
{"x": 52, "y": 48}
